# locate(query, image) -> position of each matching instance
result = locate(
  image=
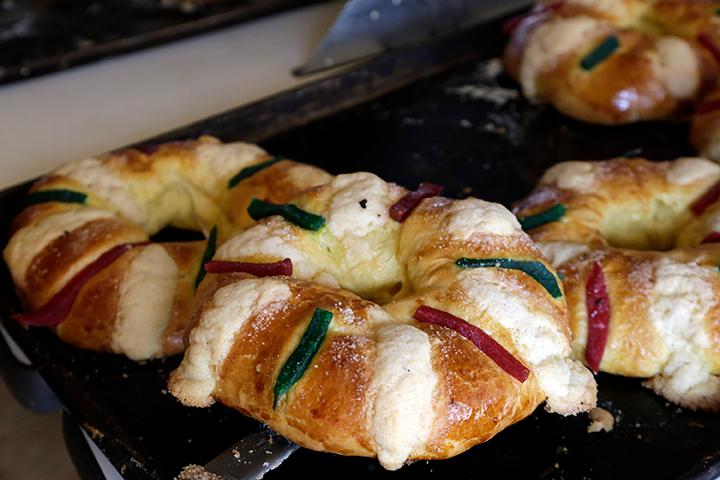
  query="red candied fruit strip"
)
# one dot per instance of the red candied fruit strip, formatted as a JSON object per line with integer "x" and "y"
{"x": 701, "y": 204}
{"x": 713, "y": 237}
{"x": 536, "y": 14}
{"x": 404, "y": 207}
{"x": 482, "y": 340}
{"x": 283, "y": 267}
{"x": 708, "y": 107}
{"x": 59, "y": 306}
{"x": 706, "y": 40}
{"x": 598, "y": 306}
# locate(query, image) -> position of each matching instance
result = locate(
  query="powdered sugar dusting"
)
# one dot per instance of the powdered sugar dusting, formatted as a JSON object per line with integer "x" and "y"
{"x": 211, "y": 340}
{"x": 536, "y": 335}
{"x": 459, "y": 412}
{"x": 404, "y": 381}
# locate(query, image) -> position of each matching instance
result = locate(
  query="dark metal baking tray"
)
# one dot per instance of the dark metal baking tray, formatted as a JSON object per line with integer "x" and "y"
{"x": 42, "y": 36}
{"x": 409, "y": 116}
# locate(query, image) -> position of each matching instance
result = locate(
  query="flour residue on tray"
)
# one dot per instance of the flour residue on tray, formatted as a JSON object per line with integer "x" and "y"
{"x": 496, "y": 95}
{"x": 485, "y": 87}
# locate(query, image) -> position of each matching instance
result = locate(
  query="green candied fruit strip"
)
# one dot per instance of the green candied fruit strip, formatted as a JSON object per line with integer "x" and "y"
{"x": 552, "y": 214}
{"x": 208, "y": 254}
{"x": 606, "y": 48}
{"x": 300, "y": 359}
{"x": 251, "y": 170}
{"x": 54, "y": 195}
{"x": 309, "y": 221}
{"x": 537, "y": 270}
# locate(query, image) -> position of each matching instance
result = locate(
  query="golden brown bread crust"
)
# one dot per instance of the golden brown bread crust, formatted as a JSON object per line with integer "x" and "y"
{"x": 471, "y": 380}
{"x": 595, "y": 97}
{"x": 131, "y": 194}
{"x": 276, "y": 184}
{"x": 635, "y": 347}
{"x": 430, "y": 259}
{"x": 329, "y": 409}
{"x": 93, "y": 319}
{"x": 87, "y": 326}
{"x": 336, "y": 410}
{"x": 48, "y": 271}
{"x": 632, "y": 218}
{"x": 628, "y": 203}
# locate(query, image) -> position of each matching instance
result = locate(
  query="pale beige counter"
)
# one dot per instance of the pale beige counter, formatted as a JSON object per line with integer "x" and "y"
{"x": 56, "y": 118}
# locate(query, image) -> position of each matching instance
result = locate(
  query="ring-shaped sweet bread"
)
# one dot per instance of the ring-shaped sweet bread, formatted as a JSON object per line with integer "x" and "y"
{"x": 616, "y": 61}
{"x": 80, "y": 255}
{"x": 636, "y": 242}
{"x": 386, "y": 324}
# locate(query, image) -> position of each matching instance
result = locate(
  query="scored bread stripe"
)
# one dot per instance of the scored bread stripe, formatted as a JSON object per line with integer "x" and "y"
{"x": 145, "y": 305}
{"x": 535, "y": 334}
{"x": 688, "y": 170}
{"x": 404, "y": 382}
{"x": 681, "y": 299}
{"x": 212, "y": 339}
{"x": 32, "y": 239}
{"x": 539, "y": 340}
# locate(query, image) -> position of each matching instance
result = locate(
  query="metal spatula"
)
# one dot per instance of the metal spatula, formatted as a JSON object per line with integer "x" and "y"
{"x": 367, "y": 27}
{"x": 253, "y": 456}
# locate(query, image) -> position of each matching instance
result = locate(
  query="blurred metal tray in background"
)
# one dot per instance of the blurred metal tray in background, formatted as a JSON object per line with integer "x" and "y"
{"x": 42, "y": 36}
{"x": 439, "y": 112}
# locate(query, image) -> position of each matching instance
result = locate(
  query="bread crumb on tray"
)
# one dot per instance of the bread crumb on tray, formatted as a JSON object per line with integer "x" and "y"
{"x": 600, "y": 420}
{"x": 197, "y": 472}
